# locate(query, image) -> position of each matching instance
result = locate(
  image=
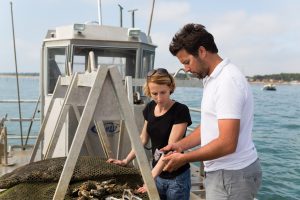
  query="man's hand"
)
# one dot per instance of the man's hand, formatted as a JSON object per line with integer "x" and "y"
{"x": 171, "y": 147}
{"x": 174, "y": 161}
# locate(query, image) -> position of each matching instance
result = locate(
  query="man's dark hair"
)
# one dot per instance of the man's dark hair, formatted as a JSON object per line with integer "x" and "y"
{"x": 190, "y": 38}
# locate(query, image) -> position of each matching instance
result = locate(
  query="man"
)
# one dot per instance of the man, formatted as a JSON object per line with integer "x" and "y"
{"x": 231, "y": 164}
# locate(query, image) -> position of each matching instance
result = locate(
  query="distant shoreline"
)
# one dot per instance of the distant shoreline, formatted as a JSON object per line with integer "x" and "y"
{"x": 275, "y": 83}
{"x": 251, "y": 82}
{"x": 20, "y": 76}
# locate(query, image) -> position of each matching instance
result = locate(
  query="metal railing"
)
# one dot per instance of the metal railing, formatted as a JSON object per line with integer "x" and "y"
{"x": 3, "y": 141}
{"x": 9, "y": 137}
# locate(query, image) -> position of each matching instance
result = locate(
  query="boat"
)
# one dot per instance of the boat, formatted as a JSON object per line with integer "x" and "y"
{"x": 91, "y": 103}
{"x": 270, "y": 87}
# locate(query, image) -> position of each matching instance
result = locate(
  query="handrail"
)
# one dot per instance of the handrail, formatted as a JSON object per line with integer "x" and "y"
{"x": 3, "y": 135}
{"x": 195, "y": 109}
{"x": 14, "y": 137}
{"x": 23, "y": 119}
{"x": 3, "y": 120}
{"x": 16, "y": 101}
{"x": 31, "y": 120}
{"x": 182, "y": 69}
{"x": 33, "y": 116}
{"x": 179, "y": 82}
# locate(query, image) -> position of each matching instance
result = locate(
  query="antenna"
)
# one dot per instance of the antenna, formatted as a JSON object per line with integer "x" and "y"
{"x": 17, "y": 74}
{"x": 99, "y": 12}
{"x": 150, "y": 22}
{"x": 132, "y": 12}
{"x": 121, "y": 15}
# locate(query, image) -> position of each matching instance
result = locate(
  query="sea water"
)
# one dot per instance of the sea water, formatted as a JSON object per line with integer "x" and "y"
{"x": 276, "y": 131}
{"x": 29, "y": 90}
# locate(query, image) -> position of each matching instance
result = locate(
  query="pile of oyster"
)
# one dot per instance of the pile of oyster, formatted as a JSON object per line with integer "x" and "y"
{"x": 94, "y": 190}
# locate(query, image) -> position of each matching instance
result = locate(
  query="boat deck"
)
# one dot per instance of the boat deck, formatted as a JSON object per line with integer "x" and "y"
{"x": 197, "y": 190}
{"x": 17, "y": 157}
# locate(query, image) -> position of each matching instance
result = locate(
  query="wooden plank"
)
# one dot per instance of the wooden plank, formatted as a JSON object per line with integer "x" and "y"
{"x": 120, "y": 138}
{"x": 80, "y": 134}
{"x": 128, "y": 85}
{"x": 100, "y": 139}
{"x": 69, "y": 100}
{"x": 127, "y": 114}
{"x": 86, "y": 80}
{"x": 61, "y": 119}
{"x": 104, "y": 140}
{"x": 66, "y": 80}
{"x": 59, "y": 91}
{"x": 87, "y": 142}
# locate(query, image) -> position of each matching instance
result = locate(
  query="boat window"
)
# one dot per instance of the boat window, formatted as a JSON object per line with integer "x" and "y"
{"x": 79, "y": 64}
{"x": 56, "y": 66}
{"x": 148, "y": 62}
{"x": 116, "y": 61}
{"x": 123, "y": 58}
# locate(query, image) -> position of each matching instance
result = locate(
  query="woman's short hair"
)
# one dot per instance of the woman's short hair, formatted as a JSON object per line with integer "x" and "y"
{"x": 159, "y": 76}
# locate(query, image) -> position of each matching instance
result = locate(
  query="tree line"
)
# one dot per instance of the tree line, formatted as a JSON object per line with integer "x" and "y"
{"x": 20, "y": 73}
{"x": 278, "y": 77}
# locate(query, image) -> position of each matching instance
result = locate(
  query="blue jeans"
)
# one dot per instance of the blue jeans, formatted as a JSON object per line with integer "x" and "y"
{"x": 177, "y": 188}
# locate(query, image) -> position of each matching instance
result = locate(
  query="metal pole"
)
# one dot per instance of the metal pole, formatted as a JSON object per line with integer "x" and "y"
{"x": 99, "y": 12}
{"x": 121, "y": 15}
{"x": 151, "y": 15}
{"x": 29, "y": 129}
{"x": 17, "y": 76}
{"x": 132, "y": 14}
{"x": 5, "y": 146}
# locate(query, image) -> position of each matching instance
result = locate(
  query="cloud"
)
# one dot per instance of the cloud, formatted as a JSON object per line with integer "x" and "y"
{"x": 240, "y": 25}
{"x": 260, "y": 37}
{"x": 163, "y": 57}
{"x": 28, "y": 57}
{"x": 254, "y": 41}
{"x": 168, "y": 11}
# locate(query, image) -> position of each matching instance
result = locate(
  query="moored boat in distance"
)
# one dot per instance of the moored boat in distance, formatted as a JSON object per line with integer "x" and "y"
{"x": 270, "y": 87}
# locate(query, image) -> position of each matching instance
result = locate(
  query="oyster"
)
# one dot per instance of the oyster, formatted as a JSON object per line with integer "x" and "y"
{"x": 93, "y": 190}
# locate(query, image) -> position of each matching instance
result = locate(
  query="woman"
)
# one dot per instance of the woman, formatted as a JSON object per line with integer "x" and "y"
{"x": 166, "y": 122}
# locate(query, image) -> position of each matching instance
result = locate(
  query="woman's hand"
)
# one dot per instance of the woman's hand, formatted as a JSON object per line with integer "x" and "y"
{"x": 142, "y": 189}
{"x": 122, "y": 163}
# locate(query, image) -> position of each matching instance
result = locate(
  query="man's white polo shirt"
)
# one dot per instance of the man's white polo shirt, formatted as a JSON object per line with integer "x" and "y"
{"x": 227, "y": 95}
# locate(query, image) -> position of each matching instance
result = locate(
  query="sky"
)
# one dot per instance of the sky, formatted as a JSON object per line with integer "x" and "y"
{"x": 259, "y": 36}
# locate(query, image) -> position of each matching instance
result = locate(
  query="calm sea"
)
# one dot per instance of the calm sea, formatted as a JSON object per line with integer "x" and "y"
{"x": 276, "y": 129}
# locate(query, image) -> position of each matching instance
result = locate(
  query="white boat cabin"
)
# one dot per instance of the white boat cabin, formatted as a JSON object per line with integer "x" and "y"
{"x": 83, "y": 48}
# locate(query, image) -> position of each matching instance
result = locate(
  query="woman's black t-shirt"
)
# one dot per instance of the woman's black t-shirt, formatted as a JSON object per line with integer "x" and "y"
{"x": 159, "y": 129}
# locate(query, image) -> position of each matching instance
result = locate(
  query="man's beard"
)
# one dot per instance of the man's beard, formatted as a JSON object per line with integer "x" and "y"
{"x": 203, "y": 73}
{"x": 200, "y": 75}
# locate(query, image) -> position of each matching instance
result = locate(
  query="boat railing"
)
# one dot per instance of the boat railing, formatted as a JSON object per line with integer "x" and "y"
{"x": 9, "y": 137}
{"x": 3, "y": 141}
